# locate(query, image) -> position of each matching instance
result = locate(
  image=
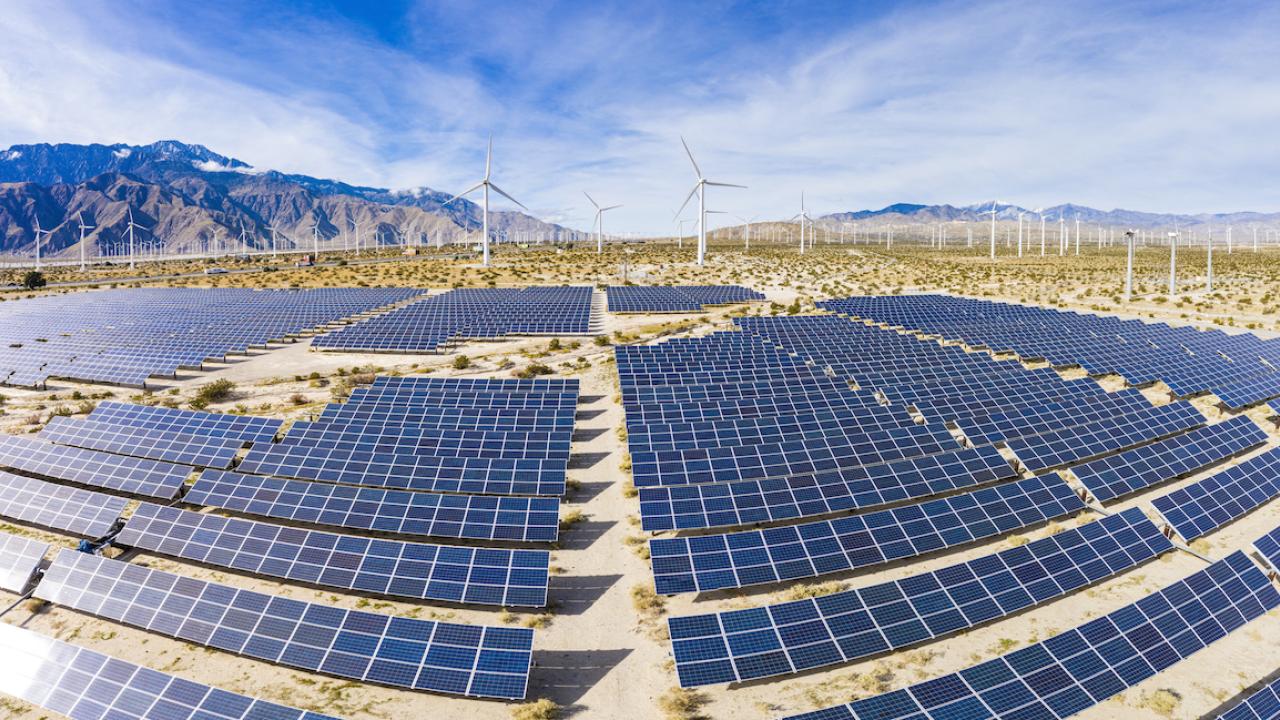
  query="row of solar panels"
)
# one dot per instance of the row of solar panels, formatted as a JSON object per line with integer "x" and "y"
{"x": 675, "y": 298}
{"x": 437, "y": 320}
{"x": 127, "y": 336}
{"x": 1240, "y": 369}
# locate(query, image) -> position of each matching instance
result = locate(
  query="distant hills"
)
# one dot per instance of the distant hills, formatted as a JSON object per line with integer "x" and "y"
{"x": 188, "y": 194}
{"x": 907, "y": 213}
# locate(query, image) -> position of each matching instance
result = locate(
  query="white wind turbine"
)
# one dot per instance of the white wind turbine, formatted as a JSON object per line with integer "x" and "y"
{"x": 47, "y": 233}
{"x": 486, "y": 185}
{"x": 131, "y": 226}
{"x": 599, "y": 221}
{"x": 700, "y": 189}
{"x": 83, "y": 227}
{"x": 1128, "y": 273}
{"x": 244, "y": 242}
{"x": 803, "y": 216}
{"x": 993, "y": 213}
{"x": 747, "y": 229}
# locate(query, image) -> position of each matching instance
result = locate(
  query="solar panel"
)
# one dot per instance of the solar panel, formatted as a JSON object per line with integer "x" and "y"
{"x": 477, "y": 517}
{"x": 1142, "y": 467}
{"x": 19, "y": 559}
{"x": 742, "y": 503}
{"x": 162, "y": 445}
{"x": 410, "y": 471}
{"x": 437, "y": 441}
{"x": 742, "y": 645}
{"x": 1205, "y": 506}
{"x": 1083, "y": 442}
{"x": 86, "y": 685}
{"x": 237, "y": 427}
{"x": 713, "y": 562}
{"x": 1002, "y": 426}
{"x": 57, "y": 506}
{"x": 404, "y": 652}
{"x": 1261, "y": 704}
{"x": 90, "y": 467}
{"x": 415, "y": 570}
{"x": 1080, "y": 668}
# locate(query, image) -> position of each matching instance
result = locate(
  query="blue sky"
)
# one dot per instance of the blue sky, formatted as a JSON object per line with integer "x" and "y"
{"x": 1152, "y": 106}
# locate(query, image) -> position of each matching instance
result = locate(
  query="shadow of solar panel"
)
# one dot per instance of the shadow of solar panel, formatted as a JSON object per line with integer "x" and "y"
{"x": 742, "y": 503}
{"x": 478, "y": 517}
{"x": 787, "y": 638}
{"x": 160, "y": 445}
{"x": 19, "y": 559}
{"x": 403, "y": 652}
{"x": 465, "y": 575}
{"x": 89, "y": 467}
{"x": 1083, "y": 442}
{"x": 236, "y": 427}
{"x": 713, "y": 562}
{"x": 57, "y": 506}
{"x": 1080, "y": 668}
{"x": 1262, "y": 704}
{"x": 85, "y": 685}
{"x": 1206, "y": 505}
{"x": 1142, "y": 467}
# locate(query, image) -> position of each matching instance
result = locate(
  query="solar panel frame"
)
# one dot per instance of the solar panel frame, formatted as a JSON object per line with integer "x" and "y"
{"x": 20, "y": 557}
{"x": 1084, "y": 442}
{"x": 136, "y": 476}
{"x": 60, "y": 507}
{"x": 1204, "y": 506}
{"x": 248, "y": 428}
{"x": 182, "y": 448}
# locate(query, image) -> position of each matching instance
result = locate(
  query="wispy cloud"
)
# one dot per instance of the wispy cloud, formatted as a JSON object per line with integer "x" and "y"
{"x": 1150, "y": 106}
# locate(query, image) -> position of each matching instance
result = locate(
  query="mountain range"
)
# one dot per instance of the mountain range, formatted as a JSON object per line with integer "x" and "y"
{"x": 906, "y": 213}
{"x": 188, "y": 195}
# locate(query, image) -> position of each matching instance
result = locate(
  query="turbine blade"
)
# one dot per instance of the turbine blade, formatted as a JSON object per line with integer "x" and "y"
{"x": 468, "y": 191}
{"x": 611, "y": 207}
{"x": 593, "y": 202}
{"x": 503, "y": 194}
{"x": 720, "y": 184}
{"x": 696, "y": 169}
{"x": 687, "y": 199}
{"x": 488, "y": 157}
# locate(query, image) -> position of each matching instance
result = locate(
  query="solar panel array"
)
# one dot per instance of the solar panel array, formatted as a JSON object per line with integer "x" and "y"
{"x": 82, "y": 512}
{"x": 478, "y": 661}
{"x": 783, "y": 639}
{"x": 713, "y": 562}
{"x": 1090, "y": 440}
{"x": 1262, "y": 704}
{"x": 91, "y": 467}
{"x": 1080, "y": 668}
{"x": 20, "y": 557}
{"x": 675, "y": 298}
{"x": 165, "y": 445}
{"x": 127, "y": 336}
{"x": 238, "y": 427}
{"x": 1208, "y": 504}
{"x": 1239, "y": 368}
{"x": 1143, "y": 467}
{"x": 389, "y": 567}
{"x": 437, "y": 320}
{"x": 86, "y": 685}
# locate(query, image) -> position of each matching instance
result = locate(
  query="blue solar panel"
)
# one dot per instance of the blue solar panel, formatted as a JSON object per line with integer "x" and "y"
{"x": 1080, "y": 668}
{"x": 678, "y": 298}
{"x": 742, "y": 503}
{"x": 414, "y": 570}
{"x": 1083, "y": 442}
{"x": 240, "y": 427}
{"x": 90, "y": 467}
{"x": 712, "y": 562}
{"x": 1205, "y": 506}
{"x": 57, "y": 506}
{"x": 1142, "y": 467}
{"x": 1261, "y": 704}
{"x": 472, "y": 660}
{"x": 85, "y": 685}
{"x": 162, "y": 445}
{"x": 19, "y": 559}
{"x": 742, "y": 645}
{"x": 1049, "y": 417}
{"x": 477, "y": 517}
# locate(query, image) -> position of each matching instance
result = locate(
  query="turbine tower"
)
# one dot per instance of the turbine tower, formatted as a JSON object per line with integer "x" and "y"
{"x": 700, "y": 189}
{"x": 131, "y": 226}
{"x": 1128, "y": 271}
{"x": 803, "y": 215}
{"x": 599, "y": 222}
{"x": 83, "y": 227}
{"x": 1173, "y": 262}
{"x": 487, "y": 185}
{"x": 746, "y": 224}
{"x": 993, "y": 211}
{"x": 47, "y": 233}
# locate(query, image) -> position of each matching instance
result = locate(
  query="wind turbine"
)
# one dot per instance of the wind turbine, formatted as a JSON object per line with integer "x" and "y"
{"x": 1020, "y": 214}
{"x": 1128, "y": 273}
{"x": 747, "y": 227}
{"x": 1209, "y": 279}
{"x": 83, "y": 227}
{"x": 486, "y": 185}
{"x": 315, "y": 240}
{"x": 131, "y": 226}
{"x": 244, "y": 243}
{"x": 47, "y": 233}
{"x": 1173, "y": 261}
{"x": 275, "y": 239}
{"x": 700, "y": 189}
{"x": 599, "y": 221}
{"x": 803, "y": 215}
{"x": 993, "y": 211}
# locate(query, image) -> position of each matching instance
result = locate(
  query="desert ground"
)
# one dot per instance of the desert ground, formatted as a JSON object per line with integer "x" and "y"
{"x": 601, "y": 649}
